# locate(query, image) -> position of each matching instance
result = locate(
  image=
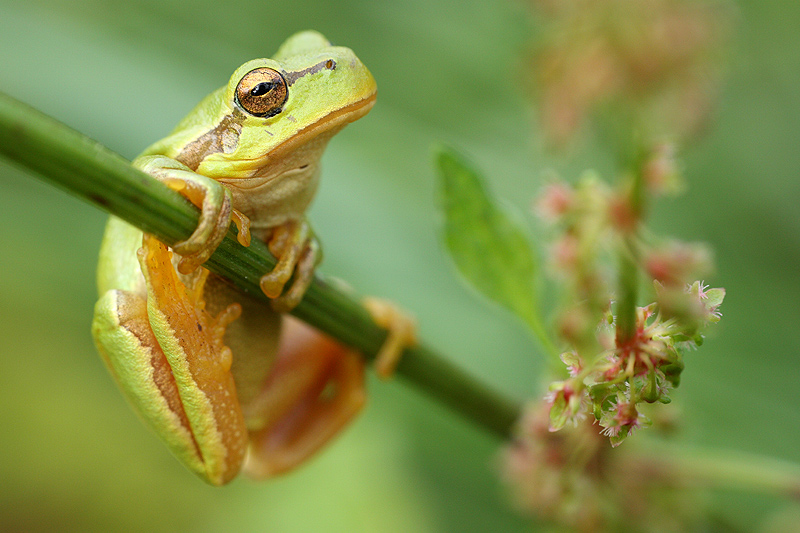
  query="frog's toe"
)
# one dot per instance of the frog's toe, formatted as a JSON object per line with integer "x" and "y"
{"x": 208, "y": 195}
{"x": 303, "y": 276}
{"x": 402, "y": 334}
{"x": 298, "y": 253}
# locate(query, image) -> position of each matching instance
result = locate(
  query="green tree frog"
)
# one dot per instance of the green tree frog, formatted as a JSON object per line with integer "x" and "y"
{"x": 226, "y": 381}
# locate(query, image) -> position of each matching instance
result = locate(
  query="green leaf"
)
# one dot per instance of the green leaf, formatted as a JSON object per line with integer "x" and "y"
{"x": 487, "y": 244}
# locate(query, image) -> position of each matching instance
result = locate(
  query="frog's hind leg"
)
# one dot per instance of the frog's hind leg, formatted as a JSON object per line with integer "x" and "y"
{"x": 126, "y": 342}
{"x": 167, "y": 355}
{"x": 314, "y": 389}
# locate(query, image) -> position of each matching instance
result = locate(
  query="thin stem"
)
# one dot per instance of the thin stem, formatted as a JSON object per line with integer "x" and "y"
{"x": 724, "y": 469}
{"x": 628, "y": 283}
{"x": 628, "y": 289}
{"x": 85, "y": 168}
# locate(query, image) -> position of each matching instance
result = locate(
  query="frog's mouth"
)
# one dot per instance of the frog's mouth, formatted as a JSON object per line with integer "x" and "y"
{"x": 282, "y": 159}
{"x": 332, "y": 121}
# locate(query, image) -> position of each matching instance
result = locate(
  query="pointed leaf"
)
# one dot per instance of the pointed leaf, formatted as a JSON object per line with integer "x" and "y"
{"x": 488, "y": 246}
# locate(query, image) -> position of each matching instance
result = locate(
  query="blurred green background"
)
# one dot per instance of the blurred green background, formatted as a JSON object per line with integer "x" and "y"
{"x": 73, "y": 456}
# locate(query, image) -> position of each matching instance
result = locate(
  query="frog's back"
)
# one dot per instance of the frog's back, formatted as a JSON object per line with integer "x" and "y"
{"x": 203, "y": 118}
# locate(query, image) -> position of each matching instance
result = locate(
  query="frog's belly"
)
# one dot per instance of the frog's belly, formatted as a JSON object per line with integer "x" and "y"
{"x": 253, "y": 337}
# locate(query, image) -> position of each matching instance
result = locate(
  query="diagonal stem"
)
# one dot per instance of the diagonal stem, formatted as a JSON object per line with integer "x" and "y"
{"x": 87, "y": 169}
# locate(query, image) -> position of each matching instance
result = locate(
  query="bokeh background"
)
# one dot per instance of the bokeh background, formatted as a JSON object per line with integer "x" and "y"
{"x": 73, "y": 456}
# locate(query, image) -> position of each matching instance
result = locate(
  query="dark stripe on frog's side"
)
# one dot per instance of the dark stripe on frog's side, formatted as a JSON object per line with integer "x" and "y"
{"x": 131, "y": 311}
{"x": 214, "y": 141}
{"x": 295, "y": 75}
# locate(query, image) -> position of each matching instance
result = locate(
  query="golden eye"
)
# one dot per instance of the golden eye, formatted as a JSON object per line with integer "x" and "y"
{"x": 262, "y": 92}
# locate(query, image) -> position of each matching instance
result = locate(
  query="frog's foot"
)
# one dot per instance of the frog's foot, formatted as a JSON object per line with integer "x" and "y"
{"x": 314, "y": 389}
{"x": 208, "y": 195}
{"x": 402, "y": 333}
{"x": 298, "y": 253}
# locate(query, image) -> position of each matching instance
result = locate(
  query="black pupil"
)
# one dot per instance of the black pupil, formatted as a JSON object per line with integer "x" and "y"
{"x": 262, "y": 88}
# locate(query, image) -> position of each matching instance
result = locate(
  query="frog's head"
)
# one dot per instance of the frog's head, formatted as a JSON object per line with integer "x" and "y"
{"x": 273, "y": 107}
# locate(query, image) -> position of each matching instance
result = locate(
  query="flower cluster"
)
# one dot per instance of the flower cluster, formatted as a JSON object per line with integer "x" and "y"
{"x": 660, "y": 54}
{"x": 613, "y": 369}
{"x": 643, "y": 368}
{"x": 574, "y": 479}
{"x": 641, "y": 76}
{"x": 558, "y": 476}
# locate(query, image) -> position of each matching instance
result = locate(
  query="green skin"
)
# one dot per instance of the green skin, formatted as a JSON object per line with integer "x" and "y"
{"x": 168, "y": 335}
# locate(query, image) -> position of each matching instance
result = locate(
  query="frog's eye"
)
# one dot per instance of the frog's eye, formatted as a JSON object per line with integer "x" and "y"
{"x": 262, "y": 92}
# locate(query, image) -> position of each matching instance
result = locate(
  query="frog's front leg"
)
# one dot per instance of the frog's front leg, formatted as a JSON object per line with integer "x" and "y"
{"x": 297, "y": 250}
{"x": 315, "y": 387}
{"x": 213, "y": 200}
{"x": 292, "y": 243}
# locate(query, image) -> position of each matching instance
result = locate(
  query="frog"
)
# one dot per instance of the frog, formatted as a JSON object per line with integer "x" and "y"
{"x": 229, "y": 382}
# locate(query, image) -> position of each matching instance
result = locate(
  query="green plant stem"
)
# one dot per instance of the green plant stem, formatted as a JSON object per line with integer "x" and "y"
{"x": 628, "y": 293}
{"x": 727, "y": 470}
{"x": 87, "y": 169}
{"x": 628, "y": 284}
